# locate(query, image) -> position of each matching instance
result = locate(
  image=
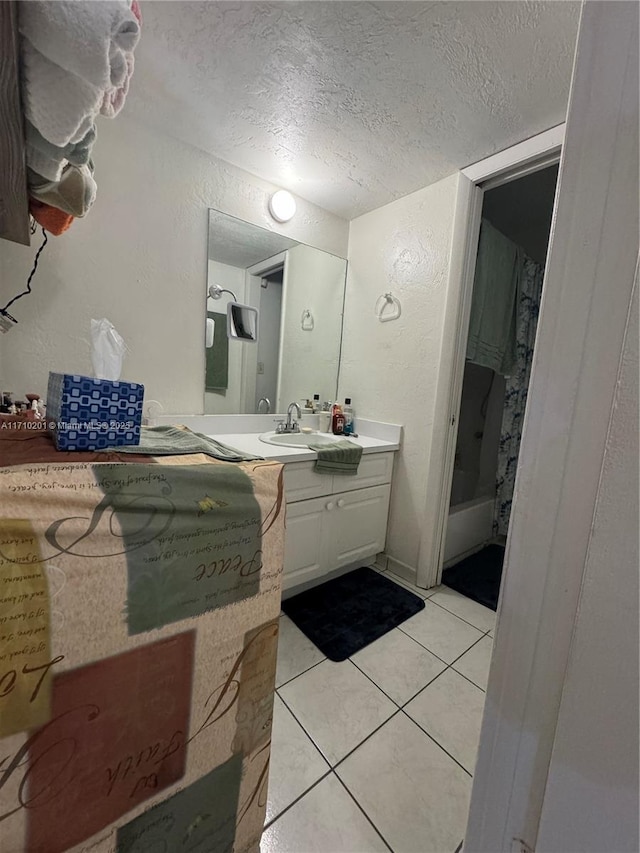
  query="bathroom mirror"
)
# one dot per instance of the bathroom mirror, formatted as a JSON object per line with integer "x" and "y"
{"x": 298, "y": 294}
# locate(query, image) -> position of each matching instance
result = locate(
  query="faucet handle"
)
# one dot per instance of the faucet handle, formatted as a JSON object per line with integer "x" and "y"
{"x": 280, "y": 425}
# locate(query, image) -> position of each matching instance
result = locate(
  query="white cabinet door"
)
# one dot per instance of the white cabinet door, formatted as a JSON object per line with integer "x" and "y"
{"x": 305, "y": 541}
{"x": 356, "y": 526}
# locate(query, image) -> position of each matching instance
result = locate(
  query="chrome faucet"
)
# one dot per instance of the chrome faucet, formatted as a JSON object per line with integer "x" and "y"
{"x": 291, "y": 425}
{"x": 267, "y": 402}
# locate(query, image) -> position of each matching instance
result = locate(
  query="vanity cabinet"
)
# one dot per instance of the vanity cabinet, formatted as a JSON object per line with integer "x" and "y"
{"x": 334, "y": 521}
{"x": 357, "y": 525}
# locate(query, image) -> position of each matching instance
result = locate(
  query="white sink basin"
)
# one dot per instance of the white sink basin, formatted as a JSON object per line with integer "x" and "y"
{"x": 298, "y": 439}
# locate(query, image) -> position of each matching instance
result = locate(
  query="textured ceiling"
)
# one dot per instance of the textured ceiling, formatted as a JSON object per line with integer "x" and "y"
{"x": 240, "y": 244}
{"x": 353, "y": 104}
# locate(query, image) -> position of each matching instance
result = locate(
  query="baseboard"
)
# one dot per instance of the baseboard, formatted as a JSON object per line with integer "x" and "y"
{"x": 403, "y": 570}
{"x": 289, "y": 590}
{"x": 381, "y": 562}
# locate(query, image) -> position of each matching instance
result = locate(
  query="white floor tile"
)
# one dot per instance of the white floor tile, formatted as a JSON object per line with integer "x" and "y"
{"x": 441, "y": 632}
{"x": 413, "y": 792}
{"x": 466, "y": 608}
{"x": 326, "y": 820}
{"x": 337, "y": 706}
{"x": 475, "y": 663}
{"x": 296, "y": 652}
{"x": 398, "y": 665}
{"x": 450, "y": 710}
{"x": 295, "y": 762}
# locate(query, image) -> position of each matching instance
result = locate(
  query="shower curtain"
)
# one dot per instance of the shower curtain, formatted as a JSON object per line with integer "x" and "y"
{"x": 529, "y": 291}
{"x": 502, "y": 330}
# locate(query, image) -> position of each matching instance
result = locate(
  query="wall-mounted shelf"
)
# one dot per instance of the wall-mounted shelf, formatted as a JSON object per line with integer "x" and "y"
{"x": 14, "y": 202}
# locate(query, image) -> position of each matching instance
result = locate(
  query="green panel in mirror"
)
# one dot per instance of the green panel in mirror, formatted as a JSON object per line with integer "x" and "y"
{"x": 299, "y": 294}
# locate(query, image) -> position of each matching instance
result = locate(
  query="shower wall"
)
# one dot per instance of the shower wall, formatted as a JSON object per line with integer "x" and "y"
{"x": 474, "y": 472}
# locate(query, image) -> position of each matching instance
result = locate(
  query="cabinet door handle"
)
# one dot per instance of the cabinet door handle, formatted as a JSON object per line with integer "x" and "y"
{"x": 341, "y": 502}
{"x": 330, "y": 506}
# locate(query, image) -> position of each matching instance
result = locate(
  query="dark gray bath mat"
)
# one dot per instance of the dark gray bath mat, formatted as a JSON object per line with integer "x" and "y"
{"x": 478, "y": 576}
{"x": 347, "y": 613}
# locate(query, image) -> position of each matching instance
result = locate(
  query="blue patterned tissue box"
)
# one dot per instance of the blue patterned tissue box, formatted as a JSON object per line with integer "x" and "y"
{"x": 91, "y": 414}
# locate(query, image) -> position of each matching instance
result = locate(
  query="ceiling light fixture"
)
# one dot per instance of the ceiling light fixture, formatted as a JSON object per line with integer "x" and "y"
{"x": 282, "y": 206}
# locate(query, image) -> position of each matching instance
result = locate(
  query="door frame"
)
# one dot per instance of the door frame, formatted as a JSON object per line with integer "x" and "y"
{"x": 253, "y": 279}
{"x": 515, "y": 162}
{"x": 585, "y": 312}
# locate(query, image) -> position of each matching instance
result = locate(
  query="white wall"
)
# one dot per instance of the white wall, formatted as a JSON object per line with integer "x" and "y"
{"x": 390, "y": 370}
{"x": 313, "y": 280}
{"x": 139, "y": 258}
{"x": 591, "y": 798}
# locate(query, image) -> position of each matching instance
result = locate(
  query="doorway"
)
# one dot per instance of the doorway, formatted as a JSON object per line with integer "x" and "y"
{"x": 269, "y": 340}
{"x": 261, "y": 365}
{"x": 507, "y": 288}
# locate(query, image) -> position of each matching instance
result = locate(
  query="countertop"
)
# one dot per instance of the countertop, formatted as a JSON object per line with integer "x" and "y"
{"x": 250, "y": 443}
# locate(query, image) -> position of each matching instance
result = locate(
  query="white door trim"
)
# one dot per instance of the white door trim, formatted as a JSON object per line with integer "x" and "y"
{"x": 515, "y": 162}
{"x": 262, "y": 268}
{"x": 466, "y": 228}
{"x": 529, "y": 151}
{"x": 585, "y": 304}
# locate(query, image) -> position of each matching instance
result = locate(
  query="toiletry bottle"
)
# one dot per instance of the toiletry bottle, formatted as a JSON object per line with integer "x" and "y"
{"x": 316, "y": 404}
{"x": 349, "y": 416}
{"x": 337, "y": 420}
{"x": 324, "y": 418}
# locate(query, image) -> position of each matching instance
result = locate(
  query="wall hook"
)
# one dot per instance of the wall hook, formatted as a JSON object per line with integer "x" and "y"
{"x": 307, "y": 322}
{"x": 383, "y": 303}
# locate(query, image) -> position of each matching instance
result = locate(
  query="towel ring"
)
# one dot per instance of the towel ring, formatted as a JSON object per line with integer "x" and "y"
{"x": 307, "y": 322}
{"x": 383, "y": 302}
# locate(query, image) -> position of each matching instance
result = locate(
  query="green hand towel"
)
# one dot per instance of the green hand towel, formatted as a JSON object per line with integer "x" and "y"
{"x": 217, "y": 357}
{"x": 339, "y": 457}
{"x": 171, "y": 441}
{"x": 492, "y": 325}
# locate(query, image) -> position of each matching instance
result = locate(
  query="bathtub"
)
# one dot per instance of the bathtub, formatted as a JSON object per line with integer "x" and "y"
{"x": 469, "y": 527}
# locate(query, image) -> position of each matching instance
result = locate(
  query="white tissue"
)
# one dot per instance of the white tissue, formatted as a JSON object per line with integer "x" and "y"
{"x": 107, "y": 350}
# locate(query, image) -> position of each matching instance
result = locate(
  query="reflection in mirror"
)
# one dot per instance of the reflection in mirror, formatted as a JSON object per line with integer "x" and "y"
{"x": 298, "y": 292}
{"x": 242, "y": 322}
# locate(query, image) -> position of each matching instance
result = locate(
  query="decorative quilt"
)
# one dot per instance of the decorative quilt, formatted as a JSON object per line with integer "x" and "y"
{"x": 139, "y": 608}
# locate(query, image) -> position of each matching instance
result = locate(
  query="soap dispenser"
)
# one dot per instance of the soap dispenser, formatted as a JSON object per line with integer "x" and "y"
{"x": 337, "y": 420}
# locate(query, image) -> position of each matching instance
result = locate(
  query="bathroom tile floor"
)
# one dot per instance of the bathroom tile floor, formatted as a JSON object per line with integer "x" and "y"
{"x": 377, "y": 753}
